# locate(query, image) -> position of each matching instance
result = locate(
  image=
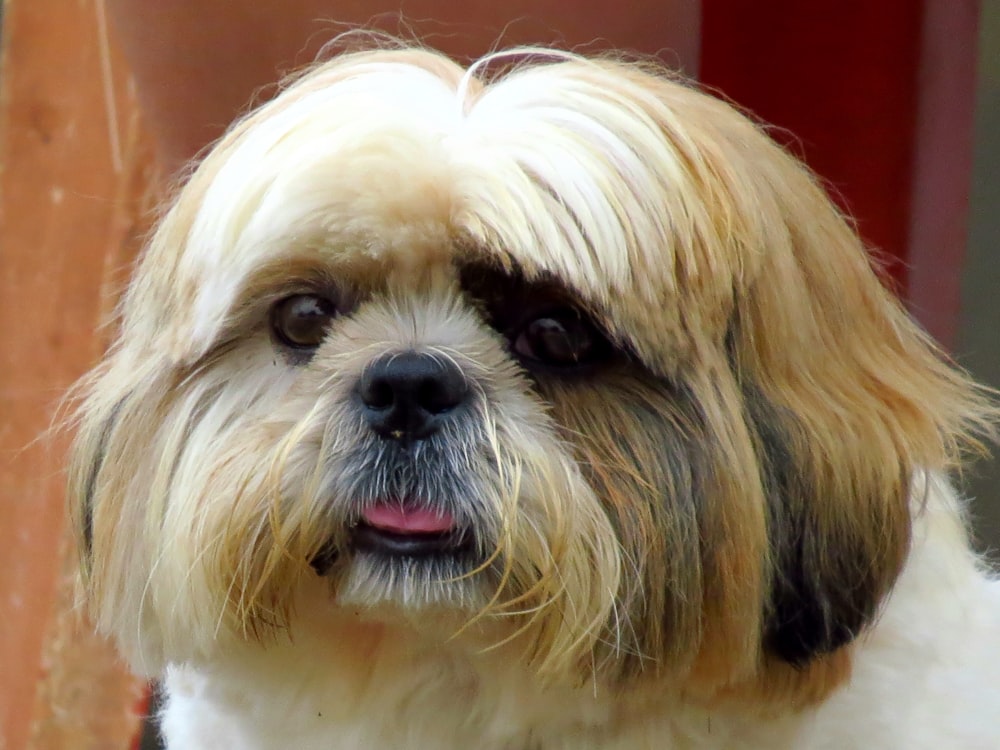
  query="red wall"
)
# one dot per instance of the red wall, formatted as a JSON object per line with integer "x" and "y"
{"x": 879, "y": 98}
{"x": 841, "y": 79}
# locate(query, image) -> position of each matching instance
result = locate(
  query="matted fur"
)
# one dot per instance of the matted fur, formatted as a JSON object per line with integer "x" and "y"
{"x": 707, "y": 526}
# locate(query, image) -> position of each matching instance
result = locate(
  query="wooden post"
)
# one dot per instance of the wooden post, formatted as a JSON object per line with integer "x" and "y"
{"x": 74, "y": 171}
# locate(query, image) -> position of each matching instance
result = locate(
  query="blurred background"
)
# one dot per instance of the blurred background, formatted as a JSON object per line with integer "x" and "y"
{"x": 896, "y": 104}
{"x": 977, "y": 344}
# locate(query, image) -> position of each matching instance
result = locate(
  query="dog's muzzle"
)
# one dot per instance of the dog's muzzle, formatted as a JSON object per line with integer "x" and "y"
{"x": 406, "y": 398}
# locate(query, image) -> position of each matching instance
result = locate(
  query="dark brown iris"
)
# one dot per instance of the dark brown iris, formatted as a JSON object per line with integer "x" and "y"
{"x": 301, "y": 321}
{"x": 558, "y": 339}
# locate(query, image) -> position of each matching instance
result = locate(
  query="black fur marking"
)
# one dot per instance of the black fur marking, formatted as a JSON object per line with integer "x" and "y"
{"x": 90, "y": 488}
{"x": 817, "y": 605}
{"x": 88, "y": 509}
{"x": 325, "y": 559}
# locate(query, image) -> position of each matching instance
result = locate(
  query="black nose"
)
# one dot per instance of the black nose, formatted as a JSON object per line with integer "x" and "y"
{"x": 407, "y": 396}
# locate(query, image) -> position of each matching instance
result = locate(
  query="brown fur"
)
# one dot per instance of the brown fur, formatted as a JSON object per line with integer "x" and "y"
{"x": 722, "y": 510}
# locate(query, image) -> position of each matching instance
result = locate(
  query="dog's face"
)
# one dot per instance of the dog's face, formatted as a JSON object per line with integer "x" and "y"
{"x": 578, "y": 352}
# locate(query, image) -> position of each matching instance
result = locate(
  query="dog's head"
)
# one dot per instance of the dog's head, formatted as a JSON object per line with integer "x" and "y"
{"x": 578, "y": 351}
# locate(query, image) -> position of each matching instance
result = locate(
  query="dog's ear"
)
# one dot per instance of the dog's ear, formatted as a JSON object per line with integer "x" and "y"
{"x": 848, "y": 402}
{"x": 830, "y": 571}
{"x": 109, "y": 527}
{"x": 97, "y": 422}
{"x": 844, "y": 401}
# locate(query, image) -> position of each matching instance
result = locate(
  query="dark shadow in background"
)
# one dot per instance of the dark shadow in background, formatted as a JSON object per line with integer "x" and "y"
{"x": 978, "y": 346}
{"x": 150, "y": 729}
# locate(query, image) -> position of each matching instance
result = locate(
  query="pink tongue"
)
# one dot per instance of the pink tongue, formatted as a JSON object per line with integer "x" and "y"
{"x": 401, "y": 520}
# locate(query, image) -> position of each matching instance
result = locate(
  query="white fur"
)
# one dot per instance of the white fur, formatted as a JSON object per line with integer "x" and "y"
{"x": 925, "y": 676}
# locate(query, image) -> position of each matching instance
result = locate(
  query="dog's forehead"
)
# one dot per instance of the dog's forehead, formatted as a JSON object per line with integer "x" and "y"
{"x": 562, "y": 169}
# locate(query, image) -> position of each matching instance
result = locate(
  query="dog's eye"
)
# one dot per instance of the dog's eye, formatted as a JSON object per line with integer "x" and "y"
{"x": 561, "y": 338}
{"x": 301, "y": 321}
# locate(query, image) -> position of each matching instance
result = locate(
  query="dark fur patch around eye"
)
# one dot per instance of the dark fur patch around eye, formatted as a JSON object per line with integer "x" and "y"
{"x": 550, "y": 328}
{"x": 502, "y": 294}
{"x": 824, "y": 589}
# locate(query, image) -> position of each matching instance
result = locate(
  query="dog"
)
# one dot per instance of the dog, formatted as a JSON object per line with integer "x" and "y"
{"x": 541, "y": 404}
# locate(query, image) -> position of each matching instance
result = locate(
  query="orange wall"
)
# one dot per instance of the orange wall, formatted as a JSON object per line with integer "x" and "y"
{"x": 72, "y": 171}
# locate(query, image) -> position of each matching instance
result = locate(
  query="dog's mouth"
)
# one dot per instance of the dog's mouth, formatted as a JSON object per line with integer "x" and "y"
{"x": 399, "y": 529}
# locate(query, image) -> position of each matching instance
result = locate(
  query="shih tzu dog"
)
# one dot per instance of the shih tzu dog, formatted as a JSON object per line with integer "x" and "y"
{"x": 545, "y": 404}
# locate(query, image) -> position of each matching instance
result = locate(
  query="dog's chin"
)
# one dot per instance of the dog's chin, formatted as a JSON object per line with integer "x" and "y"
{"x": 405, "y": 556}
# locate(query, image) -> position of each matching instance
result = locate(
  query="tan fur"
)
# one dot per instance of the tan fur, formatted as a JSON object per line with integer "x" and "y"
{"x": 775, "y": 385}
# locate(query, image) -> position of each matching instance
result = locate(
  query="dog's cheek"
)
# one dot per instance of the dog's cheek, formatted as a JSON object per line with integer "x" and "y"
{"x": 638, "y": 451}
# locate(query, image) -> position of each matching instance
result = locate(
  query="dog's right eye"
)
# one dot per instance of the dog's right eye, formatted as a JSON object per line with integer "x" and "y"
{"x": 301, "y": 321}
{"x": 562, "y": 339}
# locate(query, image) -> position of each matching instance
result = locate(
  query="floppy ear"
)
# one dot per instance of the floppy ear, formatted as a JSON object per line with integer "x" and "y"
{"x": 110, "y": 528}
{"x": 813, "y": 401}
{"x": 821, "y": 399}
{"x": 829, "y": 572}
{"x": 847, "y": 401}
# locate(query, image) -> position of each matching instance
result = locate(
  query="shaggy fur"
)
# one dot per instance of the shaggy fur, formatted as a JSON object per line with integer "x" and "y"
{"x": 698, "y": 467}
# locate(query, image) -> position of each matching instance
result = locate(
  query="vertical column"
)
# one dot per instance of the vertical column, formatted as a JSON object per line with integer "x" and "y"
{"x": 73, "y": 182}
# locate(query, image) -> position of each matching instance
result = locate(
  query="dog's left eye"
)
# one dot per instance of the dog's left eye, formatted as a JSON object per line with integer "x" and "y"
{"x": 301, "y": 321}
{"x": 562, "y": 338}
